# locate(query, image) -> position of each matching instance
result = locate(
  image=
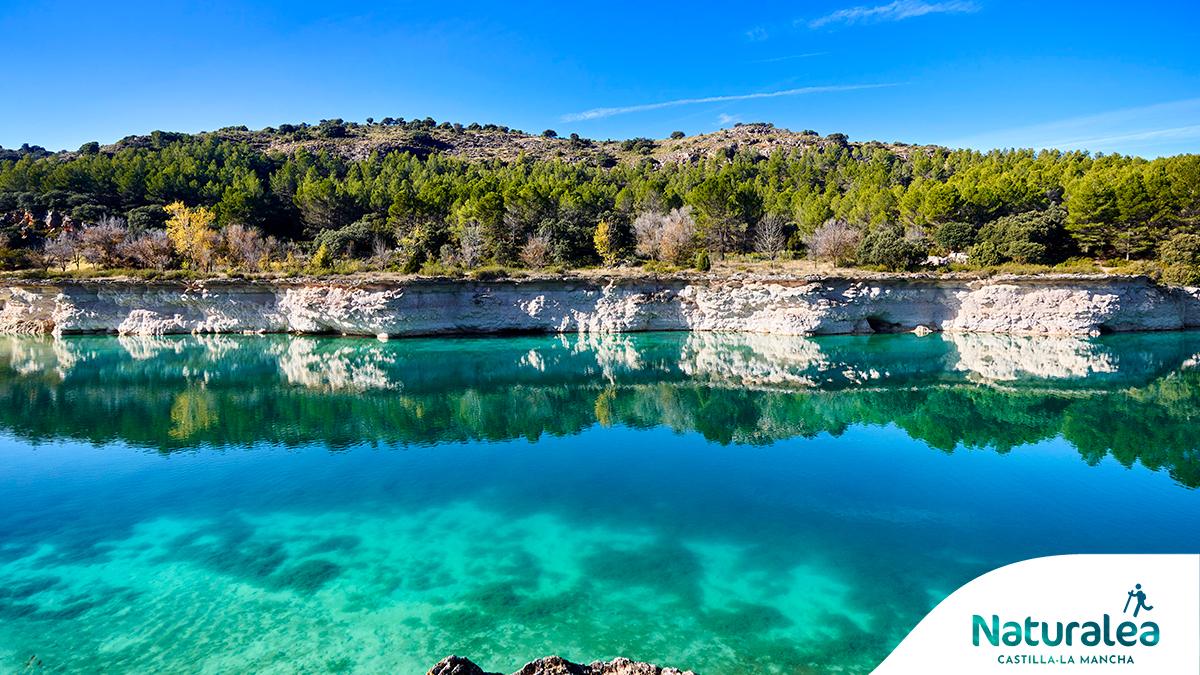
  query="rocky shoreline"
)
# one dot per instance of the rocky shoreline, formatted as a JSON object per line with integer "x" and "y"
{"x": 1079, "y": 305}
{"x": 556, "y": 665}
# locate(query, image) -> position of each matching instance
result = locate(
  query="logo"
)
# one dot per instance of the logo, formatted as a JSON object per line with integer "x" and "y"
{"x": 1141, "y": 601}
{"x": 1099, "y": 631}
{"x": 1089, "y": 611}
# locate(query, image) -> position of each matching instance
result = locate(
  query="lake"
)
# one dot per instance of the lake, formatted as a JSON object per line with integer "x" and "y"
{"x": 727, "y": 503}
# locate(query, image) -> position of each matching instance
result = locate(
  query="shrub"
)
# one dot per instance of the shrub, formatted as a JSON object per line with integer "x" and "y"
{"x": 639, "y": 145}
{"x": 322, "y": 260}
{"x": 702, "y": 262}
{"x": 656, "y": 267}
{"x": 955, "y": 236}
{"x": 887, "y": 247}
{"x": 985, "y": 254}
{"x": 1027, "y": 252}
{"x": 490, "y": 272}
{"x": 1032, "y": 237}
{"x": 356, "y": 240}
{"x": 1182, "y": 248}
{"x": 1180, "y": 256}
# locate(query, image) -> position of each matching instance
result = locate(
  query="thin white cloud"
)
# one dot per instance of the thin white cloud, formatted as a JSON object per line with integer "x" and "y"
{"x": 724, "y": 119}
{"x": 1168, "y": 134}
{"x": 894, "y": 11}
{"x": 1123, "y": 130}
{"x": 790, "y": 57}
{"x": 598, "y": 113}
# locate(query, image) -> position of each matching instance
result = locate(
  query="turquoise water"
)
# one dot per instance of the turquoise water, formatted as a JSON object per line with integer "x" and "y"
{"x": 732, "y": 504}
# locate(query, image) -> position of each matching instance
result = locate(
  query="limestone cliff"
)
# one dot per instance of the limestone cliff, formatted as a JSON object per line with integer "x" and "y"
{"x": 1049, "y": 305}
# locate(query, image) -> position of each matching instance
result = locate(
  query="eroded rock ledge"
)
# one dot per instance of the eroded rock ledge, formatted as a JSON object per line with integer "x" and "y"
{"x": 1050, "y": 305}
{"x": 556, "y": 665}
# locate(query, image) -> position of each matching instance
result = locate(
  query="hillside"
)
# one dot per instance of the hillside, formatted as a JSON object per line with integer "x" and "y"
{"x": 354, "y": 142}
{"x": 419, "y": 196}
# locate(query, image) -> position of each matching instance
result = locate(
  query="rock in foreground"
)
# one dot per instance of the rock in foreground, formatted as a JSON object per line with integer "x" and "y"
{"x": 556, "y": 665}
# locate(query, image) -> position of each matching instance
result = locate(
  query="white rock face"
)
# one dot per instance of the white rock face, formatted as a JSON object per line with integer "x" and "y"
{"x": 1046, "y": 305}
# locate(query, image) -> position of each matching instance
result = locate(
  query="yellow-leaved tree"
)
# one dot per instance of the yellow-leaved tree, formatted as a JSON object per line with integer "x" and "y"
{"x": 192, "y": 234}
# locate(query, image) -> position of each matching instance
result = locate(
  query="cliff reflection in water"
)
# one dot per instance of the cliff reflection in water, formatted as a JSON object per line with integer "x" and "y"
{"x": 1134, "y": 396}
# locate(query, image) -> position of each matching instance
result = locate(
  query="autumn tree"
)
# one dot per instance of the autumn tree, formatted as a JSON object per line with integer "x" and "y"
{"x": 614, "y": 241}
{"x": 192, "y": 234}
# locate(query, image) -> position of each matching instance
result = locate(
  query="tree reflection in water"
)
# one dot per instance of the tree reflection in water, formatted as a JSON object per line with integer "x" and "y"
{"x": 1134, "y": 396}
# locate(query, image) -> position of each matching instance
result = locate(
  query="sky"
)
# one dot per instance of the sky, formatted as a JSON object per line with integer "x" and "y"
{"x": 1099, "y": 76}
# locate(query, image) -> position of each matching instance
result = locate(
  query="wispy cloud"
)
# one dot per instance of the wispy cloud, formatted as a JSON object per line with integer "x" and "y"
{"x": 894, "y": 11}
{"x": 757, "y": 34}
{"x": 1168, "y": 134}
{"x": 1129, "y": 130}
{"x": 724, "y": 119}
{"x": 598, "y": 113}
{"x": 790, "y": 57}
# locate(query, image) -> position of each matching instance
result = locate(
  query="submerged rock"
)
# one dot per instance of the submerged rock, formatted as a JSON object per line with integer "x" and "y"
{"x": 556, "y": 665}
{"x": 457, "y": 665}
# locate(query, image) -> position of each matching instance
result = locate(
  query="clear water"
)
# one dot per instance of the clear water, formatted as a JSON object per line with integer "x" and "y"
{"x": 732, "y": 504}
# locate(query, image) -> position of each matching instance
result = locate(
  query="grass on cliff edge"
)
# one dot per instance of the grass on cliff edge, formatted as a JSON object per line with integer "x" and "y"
{"x": 741, "y": 265}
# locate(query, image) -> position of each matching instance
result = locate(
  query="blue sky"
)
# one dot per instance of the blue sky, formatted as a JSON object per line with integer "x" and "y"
{"x": 1103, "y": 76}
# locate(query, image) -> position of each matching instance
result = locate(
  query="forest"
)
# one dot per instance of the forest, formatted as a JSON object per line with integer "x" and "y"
{"x": 210, "y": 203}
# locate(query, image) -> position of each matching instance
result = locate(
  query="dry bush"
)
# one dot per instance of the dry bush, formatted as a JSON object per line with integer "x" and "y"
{"x": 100, "y": 243}
{"x": 150, "y": 250}
{"x": 678, "y": 239}
{"x": 647, "y": 231}
{"x": 62, "y": 250}
{"x": 382, "y": 253}
{"x": 246, "y": 247}
{"x": 668, "y": 237}
{"x": 535, "y": 254}
{"x": 834, "y": 241}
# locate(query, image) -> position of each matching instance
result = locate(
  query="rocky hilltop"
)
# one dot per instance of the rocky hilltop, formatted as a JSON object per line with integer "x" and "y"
{"x": 491, "y": 142}
{"x": 1045, "y": 305}
{"x": 556, "y": 665}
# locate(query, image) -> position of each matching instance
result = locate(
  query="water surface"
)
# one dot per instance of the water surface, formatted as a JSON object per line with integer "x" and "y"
{"x": 732, "y": 504}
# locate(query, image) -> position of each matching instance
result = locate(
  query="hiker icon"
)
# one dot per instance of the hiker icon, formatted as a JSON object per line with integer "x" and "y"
{"x": 1138, "y": 593}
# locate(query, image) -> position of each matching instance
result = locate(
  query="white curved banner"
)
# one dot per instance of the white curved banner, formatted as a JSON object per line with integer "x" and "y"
{"x": 1073, "y": 613}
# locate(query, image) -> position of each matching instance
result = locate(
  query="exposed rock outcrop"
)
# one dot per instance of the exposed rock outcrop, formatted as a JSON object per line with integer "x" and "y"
{"x": 1051, "y": 305}
{"x": 556, "y": 665}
